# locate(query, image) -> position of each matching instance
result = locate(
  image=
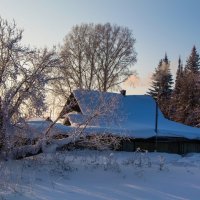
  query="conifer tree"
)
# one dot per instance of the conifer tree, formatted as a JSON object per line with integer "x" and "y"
{"x": 185, "y": 99}
{"x": 161, "y": 88}
{"x": 191, "y": 92}
{"x": 154, "y": 91}
{"x": 193, "y": 62}
{"x": 179, "y": 76}
{"x": 176, "y": 103}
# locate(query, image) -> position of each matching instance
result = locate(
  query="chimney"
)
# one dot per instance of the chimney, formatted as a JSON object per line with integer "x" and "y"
{"x": 123, "y": 92}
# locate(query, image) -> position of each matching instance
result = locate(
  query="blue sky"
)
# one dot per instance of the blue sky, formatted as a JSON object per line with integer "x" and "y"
{"x": 159, "y": 26}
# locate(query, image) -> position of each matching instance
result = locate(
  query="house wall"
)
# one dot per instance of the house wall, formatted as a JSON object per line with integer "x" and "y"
{"x": 168, "y": 145}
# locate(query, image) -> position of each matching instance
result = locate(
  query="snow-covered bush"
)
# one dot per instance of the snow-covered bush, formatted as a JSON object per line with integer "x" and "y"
{"x": 140, "y": 158}
{"x": 161, "y": 162}
{"x": 110, "y": 163}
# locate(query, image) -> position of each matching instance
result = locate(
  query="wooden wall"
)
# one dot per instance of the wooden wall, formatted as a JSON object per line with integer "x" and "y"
{"x": 168, "y": 145}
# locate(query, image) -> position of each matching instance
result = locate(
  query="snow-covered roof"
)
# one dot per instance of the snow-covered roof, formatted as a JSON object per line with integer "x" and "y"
{"x": 131, "y": 115}
{"x": 90, "y": 101}
{"x": 38, "y": 126}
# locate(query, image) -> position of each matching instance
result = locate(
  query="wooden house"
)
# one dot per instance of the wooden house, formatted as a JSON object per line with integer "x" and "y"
{"x": 131, "y": 118}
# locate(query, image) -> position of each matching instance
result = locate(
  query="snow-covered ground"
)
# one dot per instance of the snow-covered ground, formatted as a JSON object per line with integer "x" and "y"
{"x": 106, "y": 175}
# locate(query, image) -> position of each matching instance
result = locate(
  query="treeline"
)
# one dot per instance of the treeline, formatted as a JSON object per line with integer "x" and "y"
{"x": 178, "y": 100}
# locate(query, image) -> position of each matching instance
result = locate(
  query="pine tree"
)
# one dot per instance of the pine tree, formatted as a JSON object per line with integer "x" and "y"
{"x": 185, "y": 101}
{"x": 192, "y": 91}
{"x": 193, "y": 62}
{"x": 176, "y": 103}
{"x": 154, "y": 91}
{"x": 161, "y": 88}
{"x": 165, "y": 60}
{"x": 179, "y": 76}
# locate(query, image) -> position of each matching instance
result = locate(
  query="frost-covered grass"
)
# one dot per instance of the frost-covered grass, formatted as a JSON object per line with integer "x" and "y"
{"x": 105, "y": 175}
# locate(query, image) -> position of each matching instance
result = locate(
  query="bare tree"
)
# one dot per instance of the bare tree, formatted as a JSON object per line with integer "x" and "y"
{"x": 96, "y": 57}
{"x": 116, "y": 54}
{"x": 73, "y": 54}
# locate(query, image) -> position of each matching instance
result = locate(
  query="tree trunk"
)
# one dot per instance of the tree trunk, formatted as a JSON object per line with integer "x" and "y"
{"x": 2, "y": 130}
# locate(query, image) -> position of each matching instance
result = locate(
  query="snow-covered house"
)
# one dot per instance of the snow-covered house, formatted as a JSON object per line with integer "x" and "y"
{"x": 131, "y": 116}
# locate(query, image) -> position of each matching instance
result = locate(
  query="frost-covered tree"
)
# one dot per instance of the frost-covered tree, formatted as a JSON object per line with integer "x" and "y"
{"x": 155, "y": 87}
{"x": 23, "y": 76}
{"x": 161, "y": 88}
{"x": 189, "y": 97}
{"x": 176, "y": 104}
{"x": 96, "y": 56}
{"x": 191, "y": 94}
{"x": 185, "y": 101}
{"x": 193, "y": 62}
{"x": 179, "y": 77}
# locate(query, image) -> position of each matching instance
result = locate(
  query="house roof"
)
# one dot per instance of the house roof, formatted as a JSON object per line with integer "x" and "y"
{"x": 131, "y": 115}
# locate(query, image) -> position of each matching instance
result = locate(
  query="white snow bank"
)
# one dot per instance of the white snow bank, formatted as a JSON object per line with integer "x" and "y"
{"x": 89, "y": 175}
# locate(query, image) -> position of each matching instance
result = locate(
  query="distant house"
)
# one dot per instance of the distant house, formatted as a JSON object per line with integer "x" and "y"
{"x": 132, "y": 118}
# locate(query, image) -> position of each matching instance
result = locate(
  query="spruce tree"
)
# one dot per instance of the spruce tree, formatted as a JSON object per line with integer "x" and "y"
{"x": 176, "y": 102}
{"x": 161, "y": 88}
{"x": 193, "y": 62}
{"x": 185, "y": 101}
{"x": 191, "y": 93}
{"x": 179, "y": 76}
{"x": 154, "y": 91}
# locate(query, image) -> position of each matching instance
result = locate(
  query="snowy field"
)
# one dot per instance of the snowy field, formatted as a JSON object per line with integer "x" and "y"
{"x": 89, "y": 175}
